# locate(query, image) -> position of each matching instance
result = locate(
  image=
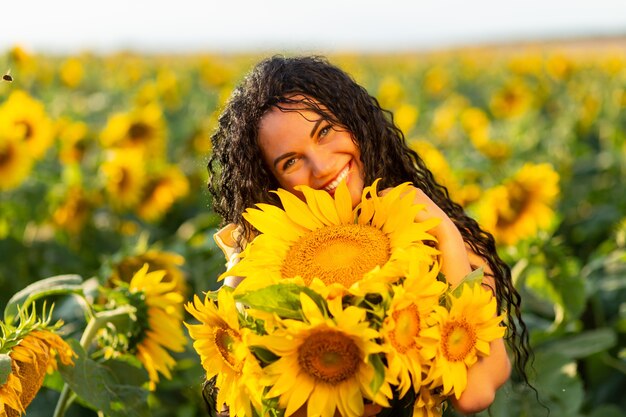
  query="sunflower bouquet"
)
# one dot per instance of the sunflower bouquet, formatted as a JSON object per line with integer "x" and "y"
{"x": 341, "y": 307}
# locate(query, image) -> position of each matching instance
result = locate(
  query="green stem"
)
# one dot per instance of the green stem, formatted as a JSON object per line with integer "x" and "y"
{"x": 95, "y": 323}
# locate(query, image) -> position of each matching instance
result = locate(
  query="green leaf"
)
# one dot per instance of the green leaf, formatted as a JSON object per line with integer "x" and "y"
{"x": 282, "y": 299}
{"x": 114, "y": 387}
{"x": 5, "y": 368}
{"x": 264, "y": 355}
{"x": 57, "y": 285}
{"x": 473, "y": 278}
{"x": 583, "y": 344}
{"x": 379, "y": 372}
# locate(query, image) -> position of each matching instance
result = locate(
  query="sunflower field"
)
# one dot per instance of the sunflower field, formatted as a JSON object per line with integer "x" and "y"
{"x": 106, "y": 227}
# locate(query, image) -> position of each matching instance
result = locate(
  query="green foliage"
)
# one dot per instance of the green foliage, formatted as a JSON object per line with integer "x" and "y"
{"x": 282, "y": 299}
{"x": 114, "y": 387}
{"x": 5, "y": 367}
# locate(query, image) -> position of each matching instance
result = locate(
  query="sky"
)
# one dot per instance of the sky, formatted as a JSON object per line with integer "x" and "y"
{"x": 66, "y": 26}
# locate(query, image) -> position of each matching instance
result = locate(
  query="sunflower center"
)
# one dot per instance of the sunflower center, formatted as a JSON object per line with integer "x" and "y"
{"x": 139, "y": 131}
{"x": 519, "y": 200}
{"x": 6, "y": 155}
{"x": 458, "y": 339}
{"x": 337, "y": 253}
{"x": 406, "y": 330}
{"x": 329, "y": 356}
{"x": 28, "y": 128}
{"x": 124, "y": 181}
{"x": 225, "y": 340}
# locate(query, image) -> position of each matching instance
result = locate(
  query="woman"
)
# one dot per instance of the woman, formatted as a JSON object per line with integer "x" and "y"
{"x": 302, "y": 121}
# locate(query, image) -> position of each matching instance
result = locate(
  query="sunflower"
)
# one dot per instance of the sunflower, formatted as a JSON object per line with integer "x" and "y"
{"x": 74, "y": 211}
{"x": 161, "y": 192}
{"x": 72, "y": 72}
{"x": 437, "y": 164}
{"x": 21, "y": 113}
{"x": 324, "y": 238}
{"x": 124, "y": 176}
{"x": 459, "y": 336}
{"x": 522, "y": 206}
{"x": 15, "y": 160}
{"x": 142, "y": 128}
{"x": 170, "y": 262}
{"x": 163, "y": 331}
{"x": 224, "y": 353}
{"x": 428, "y": 403}
{"x": 74, "y": 137}
{"x": 32, "y": 348}
{"x": 323, "y": 361}
{"x": 513, "y": 99}
{"x": 406, "y": 318}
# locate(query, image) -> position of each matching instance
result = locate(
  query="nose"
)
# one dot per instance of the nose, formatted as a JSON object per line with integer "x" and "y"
{"x": 321, "y": 164}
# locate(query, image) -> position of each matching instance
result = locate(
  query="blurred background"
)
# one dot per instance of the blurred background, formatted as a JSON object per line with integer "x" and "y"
{"x": 518, "y": 108}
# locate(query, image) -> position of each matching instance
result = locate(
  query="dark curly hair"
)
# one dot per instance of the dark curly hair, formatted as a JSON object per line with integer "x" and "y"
{"x": 239, "y": 178}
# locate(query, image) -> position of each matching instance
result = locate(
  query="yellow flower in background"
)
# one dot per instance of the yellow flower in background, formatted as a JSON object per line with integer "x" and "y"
{"x": 32, "y": 348}
{"x": 169, "y": 87}
{"x": 224, "y": 353}
{"x": 614, "y": 63}
{"x": 476, "y": 125}
{"x": 216, "y": 71}
{"x": 142, "y": 128}
{"x": 124, "y": 177}
{"x": 21, "y": 114}
{"x": 323, "y": 362}
{"x": 437, "y": 164}
{"x": 157, "y": 260}
{"x": 201, "y": 137}
{"x": 19, "y": 55}
{"x": 445, "y": 117}
{"x": 390, "y": 92}
{"x": 324, "y": 239}
{"x": 74, "y": 211}
{"x": 72, "y": 72}
{"x": 15, "y": 160}
{"x": 161, "y": 192}
{"x": 559, "y": 66}
{"x": 436, "y": 80}
{"x": 405, "y": 116}
{"x": 529, "y": 62}
{"x": 461, "y": 335}
{"x": 162, "y": 315}
{"x": 514, "y": 99}
{"x": 73, "y": 138}
{"x": 522, "y": 206}
{"x": 146, "y": 94}
{"x": 406, "y": 318}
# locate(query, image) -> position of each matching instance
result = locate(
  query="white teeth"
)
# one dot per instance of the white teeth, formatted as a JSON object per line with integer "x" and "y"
{"x": 343, "y": 174}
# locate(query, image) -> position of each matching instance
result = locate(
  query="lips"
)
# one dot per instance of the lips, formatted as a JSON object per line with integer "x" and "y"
{"x": 331, "y": 186}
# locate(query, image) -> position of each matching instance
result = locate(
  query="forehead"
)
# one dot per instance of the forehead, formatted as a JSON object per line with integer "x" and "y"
{"x": 284, "y": 127}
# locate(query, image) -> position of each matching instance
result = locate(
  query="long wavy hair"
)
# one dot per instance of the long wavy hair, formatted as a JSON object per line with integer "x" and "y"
{"x": 239, "y": 178}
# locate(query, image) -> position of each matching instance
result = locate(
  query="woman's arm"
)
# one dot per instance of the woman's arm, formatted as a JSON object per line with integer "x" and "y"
{"x": 490, "y": 372}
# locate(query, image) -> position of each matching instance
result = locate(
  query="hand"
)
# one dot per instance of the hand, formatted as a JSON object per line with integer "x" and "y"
{"x": 454, "y": 259}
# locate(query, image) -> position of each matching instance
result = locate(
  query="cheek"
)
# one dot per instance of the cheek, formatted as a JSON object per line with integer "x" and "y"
{"x": 289, "y": 183}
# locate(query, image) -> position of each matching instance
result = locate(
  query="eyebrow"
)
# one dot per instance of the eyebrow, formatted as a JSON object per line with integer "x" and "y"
{"x": 315, "y": 126}
{"x": 290, "y": 154}
{"x": 283, "y": 156}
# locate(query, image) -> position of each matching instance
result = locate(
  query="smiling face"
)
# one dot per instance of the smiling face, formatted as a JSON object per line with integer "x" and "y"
{"x": 302, "y": 148}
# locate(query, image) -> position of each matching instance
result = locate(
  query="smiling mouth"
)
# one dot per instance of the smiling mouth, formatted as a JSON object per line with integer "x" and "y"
{"x": 341, "y": 176}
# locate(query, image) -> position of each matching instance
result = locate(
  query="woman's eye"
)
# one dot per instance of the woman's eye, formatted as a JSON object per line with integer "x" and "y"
{"x": 324, "y": 131}
{"x": 288, "y": 163}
